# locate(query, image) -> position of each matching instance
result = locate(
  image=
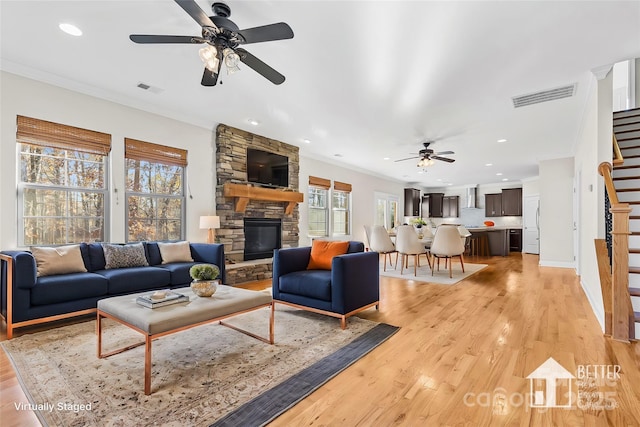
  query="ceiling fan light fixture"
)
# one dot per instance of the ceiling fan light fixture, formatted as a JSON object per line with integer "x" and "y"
{"x": 231, "y": 60}
{"x": 209, "y": 55}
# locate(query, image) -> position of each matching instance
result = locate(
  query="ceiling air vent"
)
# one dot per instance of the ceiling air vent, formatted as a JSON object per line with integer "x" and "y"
{"x": 544, "y": 96}
{"x": 150, "y": 88}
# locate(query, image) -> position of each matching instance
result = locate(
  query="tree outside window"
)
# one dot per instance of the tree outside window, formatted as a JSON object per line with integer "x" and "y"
{"x": 62, "y": 189}
{"x": 155, "y": 191}
{"x": 341, "y": 209}
{"x": 318, "y": 211}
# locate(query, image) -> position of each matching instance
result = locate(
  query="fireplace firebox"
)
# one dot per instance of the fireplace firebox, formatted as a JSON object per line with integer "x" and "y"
{"x": 261, "y": 237}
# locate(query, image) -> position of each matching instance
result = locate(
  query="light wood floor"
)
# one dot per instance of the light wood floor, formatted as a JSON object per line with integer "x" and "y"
{"x": 472, "y": 342}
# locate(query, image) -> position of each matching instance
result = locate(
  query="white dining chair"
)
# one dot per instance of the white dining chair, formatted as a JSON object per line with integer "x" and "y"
{"x": 379, "y": 241}
{"x": 447, "y": 243}
{"x": 408, "y": 244}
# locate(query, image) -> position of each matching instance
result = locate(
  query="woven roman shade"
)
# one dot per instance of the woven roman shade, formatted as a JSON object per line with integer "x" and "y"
{"x": 320, "y": 182}
{"x": 140, "y": 150}
{"x": 49, "y": 134}
{"x": 342, "y": 186}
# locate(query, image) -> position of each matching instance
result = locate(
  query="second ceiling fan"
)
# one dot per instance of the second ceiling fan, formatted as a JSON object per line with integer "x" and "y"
{"x": 223, "y": 38}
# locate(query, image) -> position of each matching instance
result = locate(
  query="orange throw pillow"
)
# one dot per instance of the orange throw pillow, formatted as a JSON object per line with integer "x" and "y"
{"x": 323, "y": 251}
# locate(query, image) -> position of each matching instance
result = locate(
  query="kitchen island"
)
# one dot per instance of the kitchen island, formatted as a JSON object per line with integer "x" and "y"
{"x": 498, "y": 238}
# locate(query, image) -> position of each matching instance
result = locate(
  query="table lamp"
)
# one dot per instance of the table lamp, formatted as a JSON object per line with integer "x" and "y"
{"x": 211, "y": 222}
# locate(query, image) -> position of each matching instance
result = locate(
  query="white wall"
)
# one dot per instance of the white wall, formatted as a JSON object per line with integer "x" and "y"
{"x": 590, "y": 195}
{"x": 362, "y": 196}
{"x": 21, "y": 96}
{"x": 556, "y": 212}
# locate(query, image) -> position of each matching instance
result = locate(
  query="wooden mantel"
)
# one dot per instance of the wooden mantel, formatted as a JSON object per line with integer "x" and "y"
{"x": 244, "y": 193}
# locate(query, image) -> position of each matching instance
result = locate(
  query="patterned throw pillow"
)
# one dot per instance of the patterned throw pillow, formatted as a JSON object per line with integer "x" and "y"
{"x": 119, "y": 256}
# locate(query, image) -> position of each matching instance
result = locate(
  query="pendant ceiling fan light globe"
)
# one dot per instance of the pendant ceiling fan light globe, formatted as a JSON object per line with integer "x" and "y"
{"x": 231, "y": 60}
{"x": 212, "y": 64}
{"x": 207, "y": 53}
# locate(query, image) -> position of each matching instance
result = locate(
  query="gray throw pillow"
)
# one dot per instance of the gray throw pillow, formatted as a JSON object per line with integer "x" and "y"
{"x": 119, "y": 256}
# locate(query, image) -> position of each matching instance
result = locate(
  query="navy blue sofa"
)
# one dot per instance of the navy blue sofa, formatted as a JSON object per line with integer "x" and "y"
{"x": 352, "y": 284}
{"x": 26, "y": 299}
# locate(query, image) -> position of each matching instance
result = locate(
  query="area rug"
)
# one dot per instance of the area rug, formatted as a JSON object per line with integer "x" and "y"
{"x": 199, "y": 376}
{"x": 440, "y": 277}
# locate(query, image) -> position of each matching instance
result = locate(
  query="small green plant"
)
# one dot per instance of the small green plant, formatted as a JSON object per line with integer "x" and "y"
{"x": 418, "y": 222}
{"x": 204, "y": 272}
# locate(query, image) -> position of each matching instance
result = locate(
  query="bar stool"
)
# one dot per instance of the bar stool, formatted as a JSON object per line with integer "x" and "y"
{"x": 479, "y": 243}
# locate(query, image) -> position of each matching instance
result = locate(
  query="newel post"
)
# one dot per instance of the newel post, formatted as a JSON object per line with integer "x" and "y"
{"x": 620, "y": 272}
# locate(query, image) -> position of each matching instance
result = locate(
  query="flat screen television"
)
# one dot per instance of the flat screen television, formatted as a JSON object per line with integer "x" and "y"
{"x": 265, "y": 168}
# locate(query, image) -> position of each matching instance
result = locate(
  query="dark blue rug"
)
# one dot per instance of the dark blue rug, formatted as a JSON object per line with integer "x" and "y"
{"x": 267, "y": 406}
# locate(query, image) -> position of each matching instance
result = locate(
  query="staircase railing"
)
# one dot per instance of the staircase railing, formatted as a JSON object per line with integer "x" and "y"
{"x": 619, "y": 323}
{"x": 617, "y": 154}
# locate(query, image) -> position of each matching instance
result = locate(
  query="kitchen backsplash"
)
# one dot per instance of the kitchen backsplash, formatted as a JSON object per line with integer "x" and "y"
{"x": 469, "y": 216}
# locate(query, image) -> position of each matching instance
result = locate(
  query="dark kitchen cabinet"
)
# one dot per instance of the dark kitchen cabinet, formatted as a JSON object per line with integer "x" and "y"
{"x": 411, "y": 202}
{"x": 493, "y": 204}
{"x": 512, "y": 202}
{"x": 432, "y": 204}
{"x": 450, "y": 207}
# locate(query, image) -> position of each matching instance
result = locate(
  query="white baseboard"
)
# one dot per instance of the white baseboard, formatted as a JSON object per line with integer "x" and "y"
{"x": 560, "y": 264}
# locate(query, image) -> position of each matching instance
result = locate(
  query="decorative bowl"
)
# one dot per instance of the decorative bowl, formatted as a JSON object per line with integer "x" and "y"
{"x": 489, "y": 223}
{"x": 204, "y": 288}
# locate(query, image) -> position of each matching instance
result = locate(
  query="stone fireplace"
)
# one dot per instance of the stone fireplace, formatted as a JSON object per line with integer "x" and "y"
{"x": 231, "y": 174}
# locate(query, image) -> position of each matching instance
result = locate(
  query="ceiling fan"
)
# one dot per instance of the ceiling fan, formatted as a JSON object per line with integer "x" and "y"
{"x": 427, "y": 156}
{"x": 222, "y": 38}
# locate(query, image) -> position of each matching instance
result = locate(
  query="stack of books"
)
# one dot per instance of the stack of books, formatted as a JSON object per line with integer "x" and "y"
{"x": 152, "y": 301}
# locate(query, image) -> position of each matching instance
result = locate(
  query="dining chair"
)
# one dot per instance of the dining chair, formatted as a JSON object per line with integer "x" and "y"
{"x": 367, "y": 233}
{"x": 447, "y": 243}
{"x": 408, "y": 243}
{"x": 381, "y": 242}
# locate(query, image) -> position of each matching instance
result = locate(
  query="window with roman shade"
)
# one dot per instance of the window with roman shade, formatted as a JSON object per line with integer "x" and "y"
{"x": 154, "y": 191}
{"x": 341, "y": 208}
{"x": 63, "y": 185}
{"x": 318, "y": 206}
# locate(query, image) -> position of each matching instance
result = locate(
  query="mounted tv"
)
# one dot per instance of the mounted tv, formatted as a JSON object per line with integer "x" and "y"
{"x": 267, "y": 169}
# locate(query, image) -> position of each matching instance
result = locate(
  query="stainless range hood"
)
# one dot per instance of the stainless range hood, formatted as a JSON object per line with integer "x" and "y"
{"x": 472, "y": 197}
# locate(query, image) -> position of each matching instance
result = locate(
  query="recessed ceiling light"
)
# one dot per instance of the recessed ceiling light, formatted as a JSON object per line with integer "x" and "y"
{"x": 306, "y": 141}
{"x": 505, "y": 179}
{"x": 499, "y": 174}
{"x": 502, "y": 140}
{"x": 70, "y": 29}
{"x": 488, "y": 164}
{"x": 449, "y": 183}
{"x": 439, "y": 179}
{"x": 386, "y": 158}
{"x": 254, "y": 122}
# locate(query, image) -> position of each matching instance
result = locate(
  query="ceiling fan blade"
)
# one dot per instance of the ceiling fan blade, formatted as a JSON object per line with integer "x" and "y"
{"x": 266, "y": 33}
{"x": 444, "y": 152}
{"x": 192, "y": 8}
{"x": 260, "y": 67}
{"x": 408, "y": 158}
{"x": 444, "y": 159}
{"x": 146, "y": 38}
{"x": 209, "y": 78}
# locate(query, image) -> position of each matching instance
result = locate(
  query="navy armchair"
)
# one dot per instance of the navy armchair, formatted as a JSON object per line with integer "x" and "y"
{"x": 352, "y": 284}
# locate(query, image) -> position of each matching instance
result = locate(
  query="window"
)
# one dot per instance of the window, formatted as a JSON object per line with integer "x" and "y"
{"x": 155, "y": 191}
{"x": 319, "y": 206}
{"x": 341, "y": 208}
{"x": 62, "y": 190}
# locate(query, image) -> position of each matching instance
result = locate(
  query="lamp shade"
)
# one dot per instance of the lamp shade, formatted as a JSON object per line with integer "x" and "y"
{"x": 210, "y": 221}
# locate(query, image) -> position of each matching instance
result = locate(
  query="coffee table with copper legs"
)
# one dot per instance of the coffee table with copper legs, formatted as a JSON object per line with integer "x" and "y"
{"x": 158, "y": 322}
